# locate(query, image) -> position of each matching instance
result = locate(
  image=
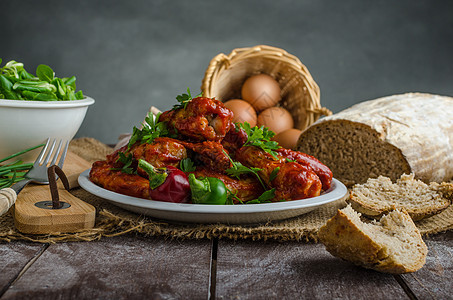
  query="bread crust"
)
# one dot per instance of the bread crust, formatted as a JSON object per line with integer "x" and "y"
{"x": 415, "y": 129}
{"x": 346, "y": 237}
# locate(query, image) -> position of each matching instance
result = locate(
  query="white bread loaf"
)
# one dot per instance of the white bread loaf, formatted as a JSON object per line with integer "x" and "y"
{"x": 379, "y": 196}
{"x": 390, "y": 136}
{"x": 392, "y": 245}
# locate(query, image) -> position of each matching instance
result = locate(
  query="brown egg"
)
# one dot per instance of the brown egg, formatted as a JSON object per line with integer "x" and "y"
{"x": 276, "y": 119}
{"x": 261, "y": 91}
{"x": 243, "y": 111}
{"x": 288, "y": 138}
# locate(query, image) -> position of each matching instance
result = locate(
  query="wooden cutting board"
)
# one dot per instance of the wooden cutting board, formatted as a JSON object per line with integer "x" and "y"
{"x": 29, "y": 218}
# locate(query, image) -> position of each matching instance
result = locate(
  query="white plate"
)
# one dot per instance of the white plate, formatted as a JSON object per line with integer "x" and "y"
{"x": 202, "y": 213}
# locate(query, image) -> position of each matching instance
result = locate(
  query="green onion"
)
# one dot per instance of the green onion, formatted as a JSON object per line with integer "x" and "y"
{"x": 14, "y": 172}
{"x": 20, "y": 153}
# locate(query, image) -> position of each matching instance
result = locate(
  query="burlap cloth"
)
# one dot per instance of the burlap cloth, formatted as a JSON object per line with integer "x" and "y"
{"x": 113, "y": 221}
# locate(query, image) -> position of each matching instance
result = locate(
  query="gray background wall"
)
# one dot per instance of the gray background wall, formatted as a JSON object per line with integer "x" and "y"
{"x": 129, "y": 55}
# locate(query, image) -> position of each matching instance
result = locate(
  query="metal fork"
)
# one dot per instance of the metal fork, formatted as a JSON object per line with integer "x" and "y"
{"x": 38, "y": 173}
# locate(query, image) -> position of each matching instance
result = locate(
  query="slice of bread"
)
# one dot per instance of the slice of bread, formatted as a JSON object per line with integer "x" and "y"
{"x": 392, "y": 245}
{"x": 378, "y": 196}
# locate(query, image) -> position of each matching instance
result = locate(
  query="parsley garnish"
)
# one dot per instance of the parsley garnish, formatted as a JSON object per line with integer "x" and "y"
{"x": 184, "y": 99}
{"x": 238, "y": 169}
{"x": 290, "y": 160}
{"x": 264, "y": 198}
{"x": 274, "y": 174}
{"x": 231, "y": 197}
{"x": 186, "y": 165}
{"x": 126, "y": 161}
{"x": 260, "y": 137}
{"x": 151, "y": 129}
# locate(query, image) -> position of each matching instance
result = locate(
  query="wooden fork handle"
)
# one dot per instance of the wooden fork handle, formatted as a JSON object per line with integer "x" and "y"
{"x": 7, "y": 199}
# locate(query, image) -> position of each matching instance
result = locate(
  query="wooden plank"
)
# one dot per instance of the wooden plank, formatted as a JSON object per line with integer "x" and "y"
{"x": 435, "y": 279}
{"x": 294, "y": 271}
{"x": 73, "y": 166}
{"x": 126, "y": 267}
{"x": 14, "y": 257}
{"x": 28, "y": 218}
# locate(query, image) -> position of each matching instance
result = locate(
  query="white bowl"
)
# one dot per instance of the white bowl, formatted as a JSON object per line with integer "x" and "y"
{"x": 24, "y": 124}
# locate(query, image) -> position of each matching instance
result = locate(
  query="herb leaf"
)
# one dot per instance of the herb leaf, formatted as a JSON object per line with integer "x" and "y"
{"x": 34, "y": 86}
{"x": 17, "y": 84}
{"x": 238, "y": 169}
{"x": 264, "y": 198}
{"x": 151, "y": 130}
{"x": 274, "y": 174}
{"x": 126, "y": 160}
{"x": 186, "y": 165}
{"x": 45, "y": 73}
{"x": 184, "y": 99}
{"x": 6, "y": 87}
{"x": 260, "y": 137}
{"x": 267, "y": 195}
{"x": 231, "y": 197}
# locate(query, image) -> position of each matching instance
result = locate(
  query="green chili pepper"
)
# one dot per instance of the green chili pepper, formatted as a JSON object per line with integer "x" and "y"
{"x": 207, "y": 190}
{"x": 156, "y": 178}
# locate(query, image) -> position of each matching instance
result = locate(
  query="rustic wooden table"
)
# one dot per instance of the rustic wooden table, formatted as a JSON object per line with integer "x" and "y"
{"x": 135, "y": 267}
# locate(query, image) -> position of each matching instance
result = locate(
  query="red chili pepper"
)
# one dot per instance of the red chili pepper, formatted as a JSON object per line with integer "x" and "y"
{"x": 167, "y": 184}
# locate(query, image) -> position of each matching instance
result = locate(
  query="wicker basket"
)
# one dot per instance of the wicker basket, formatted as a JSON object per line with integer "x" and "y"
{"x": 300, "y": 93}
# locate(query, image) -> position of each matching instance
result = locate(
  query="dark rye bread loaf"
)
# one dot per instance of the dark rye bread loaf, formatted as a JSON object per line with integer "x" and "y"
{"x": 390, "y": 136}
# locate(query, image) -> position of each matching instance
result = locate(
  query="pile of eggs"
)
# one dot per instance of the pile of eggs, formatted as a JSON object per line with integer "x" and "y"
{"x": 260, "y": 96}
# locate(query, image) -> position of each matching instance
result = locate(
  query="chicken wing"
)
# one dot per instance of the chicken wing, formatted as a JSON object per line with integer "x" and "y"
{"x": 291, "y": 181}
{"x": 210, "y": 155}
{"x": 234, "y": 139}
{"x": 161, "y": 152}
{"x": 105, "y": 175}
{"x": 203, "y": 119}
{"x": 323, "y": 172}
